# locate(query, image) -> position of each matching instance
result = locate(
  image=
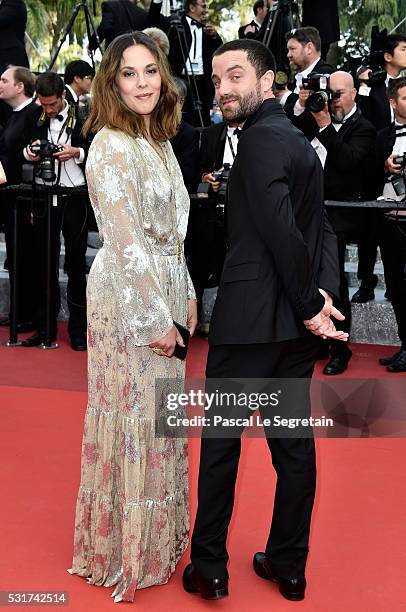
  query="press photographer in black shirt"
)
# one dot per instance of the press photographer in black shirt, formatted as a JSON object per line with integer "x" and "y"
{"x": 60, "y": 124}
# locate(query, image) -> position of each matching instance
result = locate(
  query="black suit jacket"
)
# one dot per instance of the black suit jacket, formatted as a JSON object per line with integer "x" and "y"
{"x": 376, "y": 107}
{"x": 281, "y": 248}
{"x": 118, "y": 18}
{"x": 323, "y": 15}
{"x": 69, "y": 97}
{"x": 13, "y": 20}
{"x": 33, "y": 131}
{"x": 178, "y": 51}
{"x": 186, "y": 148}
{"x": 12, "y": 143}
{"x": 306, "y": 122}
{"x": 212, "y": 143}
{"x": 349, "y": 171}
{"x": 384, "y": 146}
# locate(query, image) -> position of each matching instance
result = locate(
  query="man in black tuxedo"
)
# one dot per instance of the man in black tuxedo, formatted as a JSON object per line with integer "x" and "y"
{"x": 13, "y": 20}
{"x": 345, "y": 143}
{"x": 304, "y": 55}
{"x": 260, "y": 10}
{"x": 185, "y": 144}
{"x": 281, "y": 261}
{"x": 78, "y": 80}
{"x": 375, "y": 106}
{"x": 391, "y": 144}
{"x": 323, "y": 15}
{"x": 61, "y": 124}
{"x": 16, "y": 90}
{"x": 118, "y": 17}
{"x": 201, "y": 40}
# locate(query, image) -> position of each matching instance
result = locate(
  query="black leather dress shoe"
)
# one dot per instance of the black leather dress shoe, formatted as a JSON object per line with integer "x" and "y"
{"x": 209, "y": 588}
{"x": 78, "y": 343}
{"x": 385, "y": 361}
{"x": 35, "y": 340}
{"x": 337, "y": 364}
{"x": 366, "y": 292}
{"x": 398, "y": 364}
{"x": 291, "y": 588}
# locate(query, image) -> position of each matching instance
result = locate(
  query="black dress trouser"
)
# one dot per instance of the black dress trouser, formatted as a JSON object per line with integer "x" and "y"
{"x": 70, "y": 217}
{"x": 292, "y": 458}
{"x": 393, "y": 251}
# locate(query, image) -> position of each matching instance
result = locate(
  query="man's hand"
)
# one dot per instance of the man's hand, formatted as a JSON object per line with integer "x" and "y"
{"x": 67, "y": 153}
{"x": 250, "y": 29}
{"x": 32, "y": 157}
{"x": 210, "y": 30}
{"x": 209, "y": 178}
{"x": 391, "y": 167}
{"x": 322, "y": 325}
{"x": 192, "y": 316}
{"x": 303, "y": 95}
{"x": 323, "y": 118}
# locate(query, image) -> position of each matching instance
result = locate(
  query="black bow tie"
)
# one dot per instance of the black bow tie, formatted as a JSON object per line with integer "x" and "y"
{"x": 59, "y": 117}
{"x": 195, "y": 23}
{"x": 237, "y": 132}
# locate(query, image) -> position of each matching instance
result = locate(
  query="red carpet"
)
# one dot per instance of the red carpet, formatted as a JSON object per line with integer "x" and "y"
{"x": 357, "y": 559}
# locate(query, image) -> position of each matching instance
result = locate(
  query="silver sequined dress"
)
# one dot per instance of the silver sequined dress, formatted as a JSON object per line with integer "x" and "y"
{"x": 132, "y": 517}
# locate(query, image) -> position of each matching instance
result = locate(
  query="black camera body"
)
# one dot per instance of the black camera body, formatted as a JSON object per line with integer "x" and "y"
{"x": 222, "y": 176}
{"x": 46, "y": 166}
{"x": 322, "y": 94}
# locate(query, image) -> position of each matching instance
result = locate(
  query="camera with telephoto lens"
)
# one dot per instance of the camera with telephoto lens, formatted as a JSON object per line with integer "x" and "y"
{"x": 222, "y": 176}
{"x": 46, "y": 165}
{"x": 322, "y": 94}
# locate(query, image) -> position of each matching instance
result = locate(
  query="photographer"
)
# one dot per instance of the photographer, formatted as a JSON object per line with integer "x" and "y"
{"x": 56, "y": 125}
{"x": 304, "y": 55}
{"x": 388, "y": 54}
{"x": 201, "y": 40}
{"x": 260, "y": 9}
{"x": 17, "y": 90}
{"x": 345, "y": 144}
{"x": 218, "y": 149}
{"x": 78, "y": 80}
{"x": 391, "y": 147}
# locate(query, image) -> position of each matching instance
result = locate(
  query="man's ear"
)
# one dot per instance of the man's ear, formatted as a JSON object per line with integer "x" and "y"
{"x": 392, "y": 102}
{"x": 387, "y": 57}
{"x": 267, "y": 80}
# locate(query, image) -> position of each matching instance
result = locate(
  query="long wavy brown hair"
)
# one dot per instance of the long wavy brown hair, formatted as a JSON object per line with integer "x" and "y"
{"x": 107, "y": 106}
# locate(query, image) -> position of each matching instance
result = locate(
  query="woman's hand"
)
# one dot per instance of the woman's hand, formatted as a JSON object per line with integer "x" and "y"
{"x": 165, "y": 346}
{"x": 192, "y": 316}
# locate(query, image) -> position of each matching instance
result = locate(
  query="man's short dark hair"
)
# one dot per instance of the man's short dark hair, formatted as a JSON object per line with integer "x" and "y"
{"x": 258, "y": 54}
{"x": 187, "y": 4}
{"x": 306, "y": 35}
{"x": 392, "y": 41}
{"x": 258, "y": 4}
{"x": 49, "y": 84}
{"x": 78, "y": 68}
{"x": 394, "y": 86}
{"x": 24, "y": 76}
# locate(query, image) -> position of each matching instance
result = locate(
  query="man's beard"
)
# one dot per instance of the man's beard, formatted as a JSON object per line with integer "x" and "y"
{"x": 247, "y": 106}
{"x": 338, "y": 115}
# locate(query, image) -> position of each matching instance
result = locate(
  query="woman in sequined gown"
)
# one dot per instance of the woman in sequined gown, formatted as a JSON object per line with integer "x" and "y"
{"x": 132, "y": 518}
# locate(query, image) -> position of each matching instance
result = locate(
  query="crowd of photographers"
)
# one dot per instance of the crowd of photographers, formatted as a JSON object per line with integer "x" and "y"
{"x": 356, "y": 124}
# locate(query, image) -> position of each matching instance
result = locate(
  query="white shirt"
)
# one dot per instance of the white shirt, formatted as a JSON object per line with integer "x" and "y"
{"x": 74, "y": 95}
{"x": 22, "y": 105}
{"x": 319, "y": 147}
{"x": 71, "y": 173}
{"x": 195, "y": 59}
{"x": 228, "y": 157}
{"x": 398, "y": 149}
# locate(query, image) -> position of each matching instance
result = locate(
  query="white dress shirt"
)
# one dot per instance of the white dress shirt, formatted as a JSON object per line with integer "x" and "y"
{"x": 319, "y": 147}
{"x": 298, "y": 109}
{"x": 228, "y": 157}
{"x": 398, "y": 149}
{"x": 194, "y": 62}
